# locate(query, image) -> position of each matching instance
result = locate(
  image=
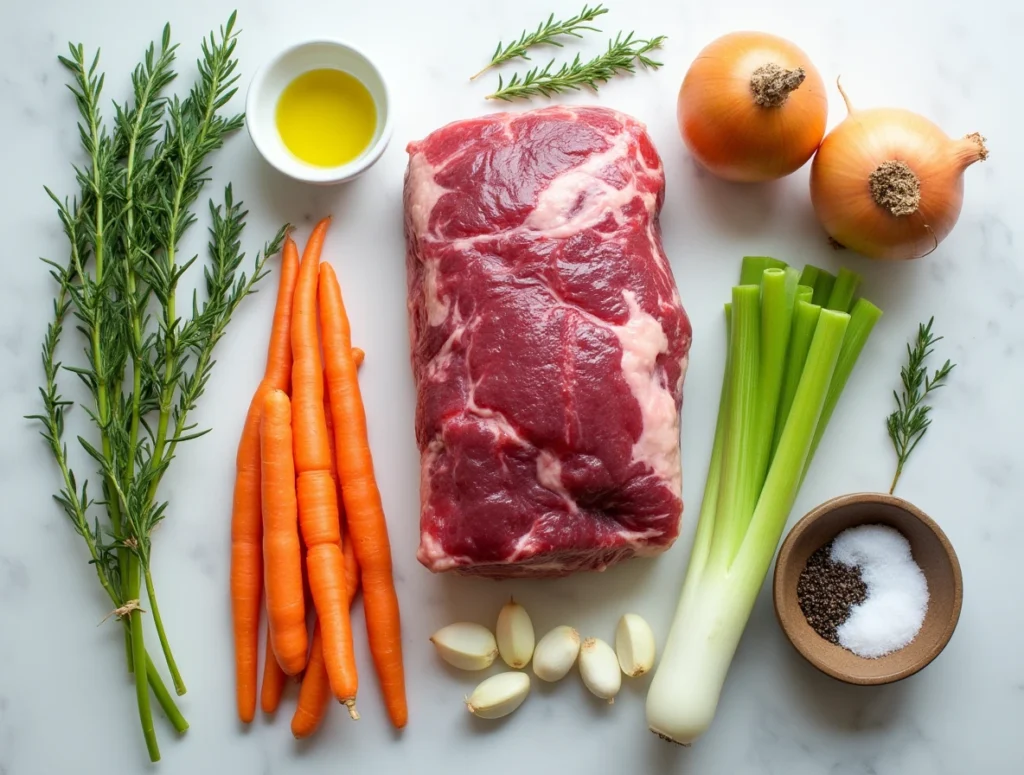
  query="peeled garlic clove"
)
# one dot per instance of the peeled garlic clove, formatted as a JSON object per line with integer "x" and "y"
{"x": 515, "y": 635}
{"x": 499, "y": 695}
{"x": 465, "y": 645}
{"x": 634, "y": 645}
{"x": 599, "y": 668}
{"x": 556, "y": 653}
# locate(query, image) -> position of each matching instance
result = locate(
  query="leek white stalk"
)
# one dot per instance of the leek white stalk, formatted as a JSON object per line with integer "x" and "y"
{"x": 775, "y": 402}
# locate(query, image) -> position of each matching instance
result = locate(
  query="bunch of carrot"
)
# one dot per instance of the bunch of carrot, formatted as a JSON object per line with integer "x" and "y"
{"x": 307, "y": 522}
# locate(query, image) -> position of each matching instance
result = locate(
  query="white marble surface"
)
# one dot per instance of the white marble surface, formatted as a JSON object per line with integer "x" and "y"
{"x": 65, "y": 703}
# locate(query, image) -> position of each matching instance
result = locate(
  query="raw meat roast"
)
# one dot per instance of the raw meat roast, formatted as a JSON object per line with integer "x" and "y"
{"x": 549, "y": 344}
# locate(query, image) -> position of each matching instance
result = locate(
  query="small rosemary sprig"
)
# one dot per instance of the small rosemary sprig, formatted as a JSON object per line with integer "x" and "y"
{"x": 908, "y": 423}
{"x": 622, "y": 55}
{"x": 546, "y": 32}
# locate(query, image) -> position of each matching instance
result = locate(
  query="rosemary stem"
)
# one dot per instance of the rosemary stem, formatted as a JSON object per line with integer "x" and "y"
{"x": 167, "y": 391}
{"x": 179, "y": 684}
{"x": 179, "y": 428}
{"x": 102, "y": 396}
{"x": 139, "y": 655}
{"x": 167, "y": 388}
{"x": 896, "y": 478}
{"x": 164, "y": 697}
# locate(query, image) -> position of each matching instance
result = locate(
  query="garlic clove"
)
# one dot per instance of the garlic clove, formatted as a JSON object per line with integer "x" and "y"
{"x": 634, "y": 645}
{"x": 515, "y": 635}
{"x": 499, "y": 695}
{"x": 556, "y": 653}
{"x": 599, "y": 668}
{"x": 466, "y": 645}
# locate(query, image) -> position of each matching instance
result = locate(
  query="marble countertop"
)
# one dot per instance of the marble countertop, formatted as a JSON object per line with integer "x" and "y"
{"x": 66, "y": 704}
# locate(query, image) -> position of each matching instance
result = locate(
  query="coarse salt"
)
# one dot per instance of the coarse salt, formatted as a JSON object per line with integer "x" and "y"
{"x": 897, "y": 593}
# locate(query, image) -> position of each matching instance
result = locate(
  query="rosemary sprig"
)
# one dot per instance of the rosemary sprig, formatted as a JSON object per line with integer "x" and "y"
{"x": 622, "y": 55}
{"x": 546, "y": 32}
{"x": 124, "y": 227}
{"x": 908, "y": 423}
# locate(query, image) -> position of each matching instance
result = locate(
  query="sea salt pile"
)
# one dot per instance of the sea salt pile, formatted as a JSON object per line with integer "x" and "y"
{"x": 897, "y": 593}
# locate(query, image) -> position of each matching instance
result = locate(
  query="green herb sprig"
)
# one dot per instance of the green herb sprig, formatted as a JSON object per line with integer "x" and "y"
{"x": 136, "y": 190}
{"x": 546, "y": 32}
{"x": 622, "y": 55}
{"x": 912, "y": 417}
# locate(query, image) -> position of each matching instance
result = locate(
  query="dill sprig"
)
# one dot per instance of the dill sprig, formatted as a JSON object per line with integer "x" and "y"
{"x": 124, "y": 226}
{"x": 546, "y": 32}
{"x": 912, "y": 417}
{"x": 622, "y": 55}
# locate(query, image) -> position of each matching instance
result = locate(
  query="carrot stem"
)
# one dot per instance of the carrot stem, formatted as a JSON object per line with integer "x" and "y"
{"x": 179, "y": 684}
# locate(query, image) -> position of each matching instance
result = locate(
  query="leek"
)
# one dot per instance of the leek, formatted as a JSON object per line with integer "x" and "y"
{"x": 793, "y": 343}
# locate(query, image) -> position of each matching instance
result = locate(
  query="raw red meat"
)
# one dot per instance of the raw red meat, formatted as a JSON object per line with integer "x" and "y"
{"x": 549, "y": 344}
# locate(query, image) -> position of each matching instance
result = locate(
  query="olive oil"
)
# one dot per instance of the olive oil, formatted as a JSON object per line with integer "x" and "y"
{"x": 326, "y": 117}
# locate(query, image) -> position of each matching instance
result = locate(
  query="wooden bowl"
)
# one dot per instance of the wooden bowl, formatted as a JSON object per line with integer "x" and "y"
{"x": 931, "y": 550}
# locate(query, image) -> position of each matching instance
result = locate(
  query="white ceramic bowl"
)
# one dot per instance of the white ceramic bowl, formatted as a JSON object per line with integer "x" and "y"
{"x": 272, "y": 78}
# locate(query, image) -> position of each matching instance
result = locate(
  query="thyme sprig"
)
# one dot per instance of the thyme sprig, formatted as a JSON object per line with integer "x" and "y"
{"x": 546, "y": 33}
{"x": 912, "y": 417}
{"x": 622, "y": 55}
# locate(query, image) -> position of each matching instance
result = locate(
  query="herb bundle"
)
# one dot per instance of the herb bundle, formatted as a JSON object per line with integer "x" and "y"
{"x": 146, "y": 362}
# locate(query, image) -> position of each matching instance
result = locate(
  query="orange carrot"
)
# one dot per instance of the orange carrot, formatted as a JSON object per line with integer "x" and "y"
{"x": 317, "y": 492}
{"x": 273, "y": 680}
{"x": 286, "y": 609}
{"x": 315, "y": 692}
{"x": 246, "y": 518}
{"x": 364, "y": 512}
{"x": 351, "y": 563}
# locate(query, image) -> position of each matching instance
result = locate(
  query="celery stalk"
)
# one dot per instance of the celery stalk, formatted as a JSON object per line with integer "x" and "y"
{"x": 778, "y": 295}
{"x": 735, "y": 540}
{"x": 752, "y": 268}
{"x": 737, "y": 494}
{"x": 805, "y": 319}
{"x": 862, "y": 320}
{"x": 821, "y": 281}
{"x": 796, "y": 445}
{"x": 842, "y": 293}
{"x": 809, "y": 275}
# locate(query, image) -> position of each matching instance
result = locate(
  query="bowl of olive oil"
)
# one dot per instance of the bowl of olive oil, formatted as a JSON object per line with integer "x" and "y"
{"x": 319, "y": 112}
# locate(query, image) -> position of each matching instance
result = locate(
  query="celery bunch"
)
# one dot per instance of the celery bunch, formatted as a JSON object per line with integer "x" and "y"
{"x": 794, "y": 339}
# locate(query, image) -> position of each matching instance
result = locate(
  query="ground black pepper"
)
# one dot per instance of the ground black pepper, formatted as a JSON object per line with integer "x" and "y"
{"x": 826, "y": 591}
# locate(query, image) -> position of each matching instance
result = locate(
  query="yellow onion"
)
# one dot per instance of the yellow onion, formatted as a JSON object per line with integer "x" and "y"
{"x": 889, "y": 183}
{"x": 752, "y": 107}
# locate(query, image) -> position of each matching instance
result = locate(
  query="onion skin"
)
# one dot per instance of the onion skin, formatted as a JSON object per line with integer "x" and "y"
{"x": 724, "y": 128}
{"x": 853, "y": 150}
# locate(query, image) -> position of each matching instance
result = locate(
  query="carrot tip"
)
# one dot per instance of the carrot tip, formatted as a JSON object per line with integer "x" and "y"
{"x": 352, "y": 712}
